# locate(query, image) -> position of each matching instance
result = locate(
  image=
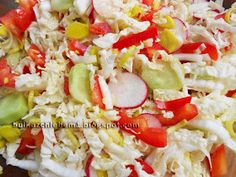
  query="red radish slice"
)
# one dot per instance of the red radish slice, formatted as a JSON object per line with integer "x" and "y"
{"x": 105, "y": 8}
{"x": 130, "y": 91}
{"x": 181, "y": 29}
{"x": 89, "y": 170}
{"x": 199, "y": 1}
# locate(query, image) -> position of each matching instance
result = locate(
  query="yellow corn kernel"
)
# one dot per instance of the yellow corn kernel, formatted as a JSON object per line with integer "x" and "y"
{"x": 228, "y": 14}
{"x": 72, "y": 137}
{"x": 9, "y": 133}
{"x": 230, "y": 126}
{"x": 2, "y": 143}
{"x": 3, "y": 31}
{"x": 77, "y": 30}
{"x": 169, "y": 23}
{"x": 31, "y": 99}
{"x": 136, "y": 11}
{"x": 177, "y": 126}
{"x": 130, "y": 52}
{"x": 169, "y": 41}
{"x": 101, "y": 173}
{"x": 115, "y": 136}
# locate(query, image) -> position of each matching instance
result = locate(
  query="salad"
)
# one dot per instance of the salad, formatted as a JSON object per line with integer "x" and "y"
{"x": 118, "y": 88}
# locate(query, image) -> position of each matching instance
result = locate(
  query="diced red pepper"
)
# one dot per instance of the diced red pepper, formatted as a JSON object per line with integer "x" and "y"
{"x": 27, "y": 4}
{"x": 149, "y": 51}
{"x": 97, "y": 93}
{"x": 231, "y": 93}
{"x": 7, "y": 78}
{"x": 173, "y": 104}
{"x": 220, "y": 16}
{"x": 145, "y": 167}
{"x": 29, "y": 142}
{"x": 209, "y": 49}
{"x": 149, "y": 129}
{"x": 148, "y": 16}
{"x": 135, "y": 39}
{"x": 24, "y": 18}
{"x": 219, "y": 162}
{"x": 36, "y": 55}
{"x": 66, "y": 86}
{"x": 148, "y": 2}
{"x": 92, "y": 16}
{"x": 77, "y": 46}
{"x": 187, "y": 112}
{"x": 100, "y": 28}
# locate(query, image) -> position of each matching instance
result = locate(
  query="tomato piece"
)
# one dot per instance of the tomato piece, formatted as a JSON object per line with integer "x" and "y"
{"x": 24, "y": 18}
{"x": 150, "y": 51}
{"x": 134, "y": 39}
{"x": 148, "y": 2}
{"x": 231, "y": 93}
{"x": 7, "y": 78}
{"x": 210, "y": 49}
{"x": 9, "y": 21}
{"x": 219, "y": 162}
{"x": 146, "y": 167}
{"x": 100, "y": 28}
{"x": 97, "y": 93}
{"x": 77, "y": 47}
{"x": 29, "y": 141}
{"x": 145, "y": 127}
{"x": 188, "y": 112}
{"x": 173, "y": 104}
{"x": 66, "y": 86}
{"x": 36, "y": 55}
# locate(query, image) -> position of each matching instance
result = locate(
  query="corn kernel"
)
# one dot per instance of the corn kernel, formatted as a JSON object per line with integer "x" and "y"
{"x": 77, "y": 30}
{"x": 169, "y": 41}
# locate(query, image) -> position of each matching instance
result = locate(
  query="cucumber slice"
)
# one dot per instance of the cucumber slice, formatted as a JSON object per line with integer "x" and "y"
{"x": 79, "y": 83}
{"x": 61, "y": 5}
{"x": 12, "y": 108}
{"x": 166, "y": 78}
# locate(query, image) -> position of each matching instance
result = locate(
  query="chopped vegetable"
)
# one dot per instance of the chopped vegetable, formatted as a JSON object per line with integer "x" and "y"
{"x": 136, "y": 11}
{"x": 145, "y": 167}
{"x": 188, "y": 112}
{"x": 79, "y": 85}
{"x": 77, "y": 47}
{"x": 36, "y": 55}
{"x": 173, "y": 104}
{"x": 169, "y": 23}
{"x": 66, "y": 86}
{"x": 219, "y": 162}
{"x": 148, "y": 2}
{"x": 12, "y": 108}
{"x": 9, "y": 133}
{"x": 61, "y": 5}
{"x": 30, "y": 141}
{"x": 97, "y": 93}
{"x": 77, "y": 30}
{"x": 169, "y": 40}
{"x": 71, "y": 136}
{"x": 31, "y": 99}
{"x": 100, "y": 28}
{"x": 150, "y": 51}
{"x": 130, "y": 53}
{"x": 230, "y": 126}
{"x": 135, "y": 39}
{"x": 7, "y": 78}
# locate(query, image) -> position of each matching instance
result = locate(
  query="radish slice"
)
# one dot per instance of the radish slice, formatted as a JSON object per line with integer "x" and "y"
{"x": 181, "y": 29}
{"x": 130, "y": 91}
{"x": 106, "y": 8}
{"x": 199, "y": 1}
{"x": 89, "y": 170}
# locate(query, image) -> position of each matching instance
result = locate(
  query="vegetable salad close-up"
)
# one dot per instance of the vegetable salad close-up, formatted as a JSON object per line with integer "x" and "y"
{"x": 118, "y": 88}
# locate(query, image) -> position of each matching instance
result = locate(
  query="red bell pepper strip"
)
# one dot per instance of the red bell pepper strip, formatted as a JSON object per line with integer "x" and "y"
{"x": 78, "y": 47}
{"x": 66, "y": 86}
{"x": 231, "y": 93}
{"x": 149, "y": 51}
{"x": 100, "y": 28}
{"x": 29, "y": 142}
{"x": 36, "y": 55}
{"x": 7, "y": 78}
{"x": 148, "y": 16}
{"x": 219, "y": 16}
{"x": 97, "y": 94}
{"x": 187, "y": 112}
{"x": 173, "y": 104}
{"x": 210, "y": 49}
{"x": 149, "y": 129}
{"x": 88, "y": 164}
{"x": 148, "y": 2}
{"x": 135, "y": 39}
{"x": 145, "y": 167}
{"x": 219, "y": 162}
